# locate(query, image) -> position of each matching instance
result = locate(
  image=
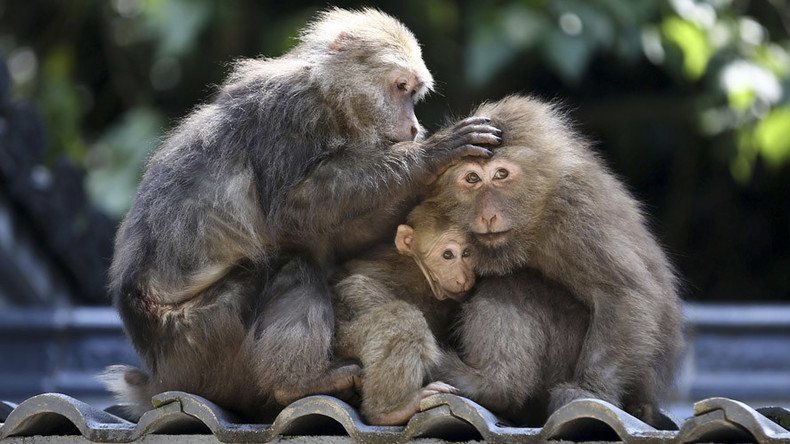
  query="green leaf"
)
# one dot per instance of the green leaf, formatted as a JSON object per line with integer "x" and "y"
{"x": 117, "y": 159}
{"x": 61, "y": 105}
{"x": 176, "y": 23}
{"x": 772, "y": 135}
{"x": 693, "y": 43}
{"x": 568, "y": 55}
{"x": 497, "y": 39}
{"x": 741, "y": 99}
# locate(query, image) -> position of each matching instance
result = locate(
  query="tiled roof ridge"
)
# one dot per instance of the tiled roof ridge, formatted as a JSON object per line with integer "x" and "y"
{"x": 444, "y": 416}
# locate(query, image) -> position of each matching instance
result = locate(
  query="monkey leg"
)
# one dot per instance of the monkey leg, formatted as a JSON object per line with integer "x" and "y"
{"x": 401, "y": 415}
{"x": 622, "y": 346}
{"x": 501, "y": 345}
{"x": 644, "y": 393}
{"x": 294, "y": 328}
{"x": 197, "y": 347}
{"x": 397, "y": 356}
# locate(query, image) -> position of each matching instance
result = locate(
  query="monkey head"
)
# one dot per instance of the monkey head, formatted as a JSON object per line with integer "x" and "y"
{"x": 441, "y": 251}
{"x": 503, "y": 202}
{"x": 369, "y": 68}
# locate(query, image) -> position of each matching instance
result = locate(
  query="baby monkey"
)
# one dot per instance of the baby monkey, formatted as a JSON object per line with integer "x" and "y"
{"x": 393, "y": 310}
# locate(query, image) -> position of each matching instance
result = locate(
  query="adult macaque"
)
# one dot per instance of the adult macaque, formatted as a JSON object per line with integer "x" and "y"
{"x": 546, "y": 205}
{"x": 393, "y": 313}
{"x": 299, "y": 162}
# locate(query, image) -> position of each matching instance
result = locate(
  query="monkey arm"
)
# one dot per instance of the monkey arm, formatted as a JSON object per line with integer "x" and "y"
{"x": 634, "y": 331}
{"x": 625, "y": 331}
{"x": 397, "y": 350}
{"x": 351, "y": 183}
{"x": 356, "y": 180}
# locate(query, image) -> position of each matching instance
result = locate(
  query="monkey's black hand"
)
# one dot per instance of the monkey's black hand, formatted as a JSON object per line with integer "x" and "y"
{"x": 448, "y": 146}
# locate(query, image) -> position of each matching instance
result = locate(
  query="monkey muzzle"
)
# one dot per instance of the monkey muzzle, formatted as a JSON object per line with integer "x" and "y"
{"x": 459, "y": 296}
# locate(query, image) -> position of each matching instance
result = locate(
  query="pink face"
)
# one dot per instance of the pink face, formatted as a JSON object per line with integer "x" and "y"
{"x": 446, "y": 260}
{"x": 404, "y": 90}
{"x": 450, "y": 261}
{"x": 489, "y": 185}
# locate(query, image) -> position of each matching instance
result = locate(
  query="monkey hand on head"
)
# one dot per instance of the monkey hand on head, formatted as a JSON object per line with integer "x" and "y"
{"x": 300, "y": 162}
{"x": 393, "y": 313}
{"x": 545, "y": 207}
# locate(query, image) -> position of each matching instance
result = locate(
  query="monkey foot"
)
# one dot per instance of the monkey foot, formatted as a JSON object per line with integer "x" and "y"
{"x": 341, "y": 380}
{"x": 565, "y": 393}
{"x": 403, "y": 414}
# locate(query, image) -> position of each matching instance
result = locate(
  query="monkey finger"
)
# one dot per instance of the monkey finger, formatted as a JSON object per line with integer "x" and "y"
{"x": 472, "y": 151}
{"x": 482, "y": 139}
{"x": 474, "y": 120}
{"x": 489, "y": 129}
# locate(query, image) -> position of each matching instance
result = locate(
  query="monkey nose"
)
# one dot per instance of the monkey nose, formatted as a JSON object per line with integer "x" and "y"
{"x": 414, "y": 132}
{"x": 489, "y": 221}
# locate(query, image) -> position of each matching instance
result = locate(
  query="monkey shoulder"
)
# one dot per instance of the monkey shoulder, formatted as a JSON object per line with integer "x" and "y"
{"x": 386, "y": 276}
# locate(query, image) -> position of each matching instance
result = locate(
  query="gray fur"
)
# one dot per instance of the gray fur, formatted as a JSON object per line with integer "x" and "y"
{"x": 517, "y": 338}
{"x": 571, "y": 221}
{"x": 389, "y": 320}
{"x": 394, "y": 313}
{"x": 219, "y": 270}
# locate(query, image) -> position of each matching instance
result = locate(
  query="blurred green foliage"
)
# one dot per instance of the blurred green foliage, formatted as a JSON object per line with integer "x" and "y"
{"x": 688, "y": 98}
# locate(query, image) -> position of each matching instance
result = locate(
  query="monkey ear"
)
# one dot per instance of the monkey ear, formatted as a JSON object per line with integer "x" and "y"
{"x": 341, "y": 42}
{"x": 404, "y": 239}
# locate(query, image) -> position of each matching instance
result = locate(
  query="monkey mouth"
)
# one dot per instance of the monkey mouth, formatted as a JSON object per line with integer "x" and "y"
{"x": 493, "y": 237}
{"x": 456, "y": 296}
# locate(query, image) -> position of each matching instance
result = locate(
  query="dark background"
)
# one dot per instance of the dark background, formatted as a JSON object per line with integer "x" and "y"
{"x": 688, "y": 102}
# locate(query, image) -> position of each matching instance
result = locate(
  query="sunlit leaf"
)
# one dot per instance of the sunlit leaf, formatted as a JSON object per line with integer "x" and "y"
{"x": 773, "y": 57}
{"x": 741, "y": 99}
{"x": 742, "y": 78}
{"x": 772, "y": 135}
{"x": 693, "y": 43}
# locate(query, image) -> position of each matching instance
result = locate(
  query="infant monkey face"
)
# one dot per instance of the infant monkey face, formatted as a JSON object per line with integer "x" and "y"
{"x": 451, "y": 262}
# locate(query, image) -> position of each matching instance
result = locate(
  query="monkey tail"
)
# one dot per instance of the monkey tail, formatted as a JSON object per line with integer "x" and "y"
{"x": 131, "y": 387}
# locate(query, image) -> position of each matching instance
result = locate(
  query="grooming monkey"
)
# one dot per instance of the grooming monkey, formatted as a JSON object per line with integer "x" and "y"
{"x": 393, "y": 313}
{"x": 299, "y": 162}
{"x": 546, "y": 206}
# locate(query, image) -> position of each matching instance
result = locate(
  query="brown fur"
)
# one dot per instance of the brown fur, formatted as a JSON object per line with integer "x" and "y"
{"x": 518, "y": 339}
{"x": 561, "y": 215}
{"x": 299, "y": 163}
{"x": 391, "y": 319}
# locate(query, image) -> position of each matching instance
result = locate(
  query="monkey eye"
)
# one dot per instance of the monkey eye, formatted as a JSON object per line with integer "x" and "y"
{"x": 501, "y": 173}
{"x": 472, "y": 178}
{"x": 466, "y": 253}
{"x": 401, "y": 86}
{"x": 448, "y": 254}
